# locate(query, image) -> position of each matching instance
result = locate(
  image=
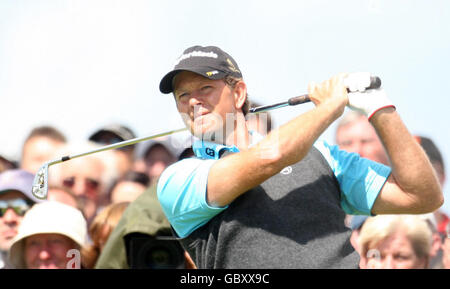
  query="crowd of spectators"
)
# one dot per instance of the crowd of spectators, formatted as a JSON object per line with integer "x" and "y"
{"x": 102, "y": 211}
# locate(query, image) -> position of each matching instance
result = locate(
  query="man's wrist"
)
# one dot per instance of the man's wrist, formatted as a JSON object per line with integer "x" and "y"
{"x": 374, "y": 117}
{"x": 386, "y": 107}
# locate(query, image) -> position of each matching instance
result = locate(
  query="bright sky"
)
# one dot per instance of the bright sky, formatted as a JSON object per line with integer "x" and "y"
{"x": 78, "y": 65}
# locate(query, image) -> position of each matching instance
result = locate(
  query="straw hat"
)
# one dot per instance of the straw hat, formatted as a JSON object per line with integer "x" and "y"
{"x": 48, "y": 217}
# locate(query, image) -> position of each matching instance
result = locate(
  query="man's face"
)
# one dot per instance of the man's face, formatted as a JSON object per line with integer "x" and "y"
{"x": 203, "y": 103}
{"x": 395, "y": 252}
{"x": 47, "y": 251}
{"x": 83, "y": 177}
{"x": 37, "y": 151}
{"x": 157, "y": 160}
{"x": 13, "y": 206}
{"x": 361, "y": 138}
{"x": 127, "y": 191}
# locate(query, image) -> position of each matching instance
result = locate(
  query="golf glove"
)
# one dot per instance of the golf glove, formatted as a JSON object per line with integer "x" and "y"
{"x": 366, "y": 101}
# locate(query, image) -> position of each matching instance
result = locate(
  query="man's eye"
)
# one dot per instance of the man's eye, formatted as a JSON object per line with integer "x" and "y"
{"x": 206, "y": 87}
{"x": 345, "y": 143}
{"x": 33, "y": 243}
{"x": 402, "y": 257}
{"x": 182, "y": 95}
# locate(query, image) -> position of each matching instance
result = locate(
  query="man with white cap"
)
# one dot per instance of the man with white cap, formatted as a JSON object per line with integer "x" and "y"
{"x": 49, "y": 233}
{"x": 15, "y": 200}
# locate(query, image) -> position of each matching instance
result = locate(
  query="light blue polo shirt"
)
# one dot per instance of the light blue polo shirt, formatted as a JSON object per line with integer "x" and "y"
{"x": 182, "y": 186}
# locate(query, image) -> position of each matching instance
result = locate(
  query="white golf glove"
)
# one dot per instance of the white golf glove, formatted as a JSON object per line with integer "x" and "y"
{"x": 357, "y": 81}
{"x": 366, "y": 101}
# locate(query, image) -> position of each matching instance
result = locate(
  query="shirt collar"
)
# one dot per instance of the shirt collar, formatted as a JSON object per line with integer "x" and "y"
{"x": 210, "y": 150}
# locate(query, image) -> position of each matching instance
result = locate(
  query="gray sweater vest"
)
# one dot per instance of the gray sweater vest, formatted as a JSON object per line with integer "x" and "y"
{"x": 292, "y": 220}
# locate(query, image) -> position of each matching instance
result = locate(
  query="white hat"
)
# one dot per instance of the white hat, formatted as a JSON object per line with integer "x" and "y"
{"x": 48, "y": 217}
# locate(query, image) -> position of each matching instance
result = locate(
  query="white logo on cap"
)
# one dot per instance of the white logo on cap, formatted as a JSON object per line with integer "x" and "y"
{"x": 211, "y": 73}
{"x": 286, "y": 171}
{"x": 196, "y": 54}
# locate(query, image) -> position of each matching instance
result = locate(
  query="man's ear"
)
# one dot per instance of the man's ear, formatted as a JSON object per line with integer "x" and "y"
{"x": 240, "y": 94}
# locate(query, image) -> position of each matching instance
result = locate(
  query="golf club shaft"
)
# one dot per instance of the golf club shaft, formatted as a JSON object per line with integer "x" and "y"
{"x": 292, "y": 101}
{"x": 375, "y": 82}
{"x": 117, "y": 145}
{"x": 40, "y": 182}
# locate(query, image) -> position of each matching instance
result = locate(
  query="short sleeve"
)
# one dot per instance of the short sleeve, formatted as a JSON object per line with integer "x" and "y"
{"x": 181, "y": 191}
{"x": 360, "y": 179}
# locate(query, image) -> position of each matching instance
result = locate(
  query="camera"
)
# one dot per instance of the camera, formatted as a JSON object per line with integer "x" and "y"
{"x": 154, "y": 252}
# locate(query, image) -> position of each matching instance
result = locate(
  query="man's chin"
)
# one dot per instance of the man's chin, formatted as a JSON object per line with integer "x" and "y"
{"x": 47, "y": 266}
{"x": 211, "y": 137}
{"x": 207, "y": 133}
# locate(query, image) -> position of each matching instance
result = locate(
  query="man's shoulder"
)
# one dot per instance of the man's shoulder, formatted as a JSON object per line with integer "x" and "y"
{"x": 184, "y": 164}
{"x": 183, "y": 171}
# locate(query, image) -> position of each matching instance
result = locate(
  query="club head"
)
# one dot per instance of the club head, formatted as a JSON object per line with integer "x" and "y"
{"x": 40, "y": 182}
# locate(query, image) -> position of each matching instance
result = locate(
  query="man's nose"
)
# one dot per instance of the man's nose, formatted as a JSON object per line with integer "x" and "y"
{"x": 10, "y": 216}
{"x": 44, "y": 253}
{"x": 195, "y": 98}
{"x": 359, "y": 148}
{"x": 388, "y": 262}
{"x": 79, "y": 187}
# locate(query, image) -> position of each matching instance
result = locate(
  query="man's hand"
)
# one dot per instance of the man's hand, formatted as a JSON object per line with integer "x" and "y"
{"x": 366, "y": 101}
{"x": 369, "y": 101}
{"x": 332, "y": 93}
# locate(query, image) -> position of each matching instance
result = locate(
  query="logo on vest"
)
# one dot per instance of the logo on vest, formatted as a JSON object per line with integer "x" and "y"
{"x": 286, "y": 171}
{"x": 210, "y": 152}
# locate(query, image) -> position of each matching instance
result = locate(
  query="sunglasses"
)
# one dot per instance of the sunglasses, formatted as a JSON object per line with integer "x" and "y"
{"x": 19, "y": 206}
{"x": 91, "y": 184}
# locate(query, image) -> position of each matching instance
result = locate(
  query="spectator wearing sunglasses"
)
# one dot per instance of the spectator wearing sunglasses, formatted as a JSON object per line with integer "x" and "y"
{"x": 88, "y": 177}
{"x": 15, "y": 200}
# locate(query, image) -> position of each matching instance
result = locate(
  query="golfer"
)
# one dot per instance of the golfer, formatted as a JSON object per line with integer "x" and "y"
{"x": 280, "y": 201}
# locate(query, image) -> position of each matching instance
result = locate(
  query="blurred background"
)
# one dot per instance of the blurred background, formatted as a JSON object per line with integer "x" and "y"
{"x": 79, "y": 65}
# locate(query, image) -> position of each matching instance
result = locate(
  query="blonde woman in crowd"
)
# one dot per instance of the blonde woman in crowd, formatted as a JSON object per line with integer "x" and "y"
{"x": 395, "y": 242}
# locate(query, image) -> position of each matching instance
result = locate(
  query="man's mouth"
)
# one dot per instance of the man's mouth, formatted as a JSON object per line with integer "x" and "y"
{"x": 199, "y": 113}
{"x": 9, "y": 234}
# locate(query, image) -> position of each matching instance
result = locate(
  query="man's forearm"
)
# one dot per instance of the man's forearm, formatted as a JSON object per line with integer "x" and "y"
{"x": 411, "y": 168}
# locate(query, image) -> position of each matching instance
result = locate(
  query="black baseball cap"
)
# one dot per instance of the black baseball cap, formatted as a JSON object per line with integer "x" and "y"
{"x": 209, "y": 61}
{"x": 120, "y": 132}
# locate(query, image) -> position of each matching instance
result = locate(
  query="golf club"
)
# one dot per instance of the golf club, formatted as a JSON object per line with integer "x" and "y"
{"x": 40, "y": 182}
{"x": 375, "y": 82}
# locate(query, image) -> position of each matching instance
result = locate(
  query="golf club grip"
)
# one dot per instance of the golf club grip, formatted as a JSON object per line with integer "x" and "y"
{"x": 375, "y": 82}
